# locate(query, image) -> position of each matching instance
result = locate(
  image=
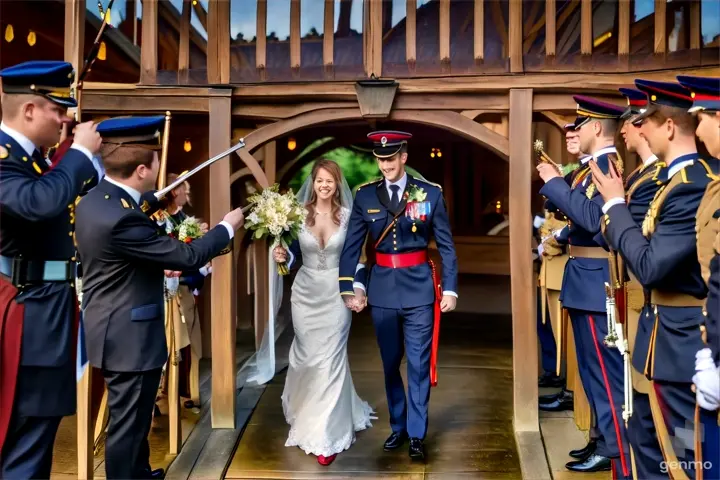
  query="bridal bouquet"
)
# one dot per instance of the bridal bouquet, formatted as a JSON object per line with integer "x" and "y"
{"x": 277, "y": 215}
{"x": 186, "y": 231}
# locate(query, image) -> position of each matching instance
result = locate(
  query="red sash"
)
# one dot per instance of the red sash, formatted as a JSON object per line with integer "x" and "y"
{"x": 412, "y": 259}
{"x": 11, "y": 325}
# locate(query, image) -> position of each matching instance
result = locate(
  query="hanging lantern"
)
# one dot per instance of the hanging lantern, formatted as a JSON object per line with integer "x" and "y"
{"x": 292, "y": 144}
{"x": 9, "y": 34}
{"x": 102, "y": 51}
{"x": 31, "y": 38}
{"x": 498, "y": 207}
{"x": 188, "y": 146}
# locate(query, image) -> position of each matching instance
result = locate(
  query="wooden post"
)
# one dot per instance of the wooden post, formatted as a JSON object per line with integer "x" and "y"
{"x": 660, "y": 27}
{"x": 295, "y": 59}
{"x": 515, "y": 36}
{"x": 184, "y": 48}
{"x": 329, "y": 34}
{"x": 444, "y": 32}
{"x": 525, "y": 367}
{"x": 261, "y": 37}
{"x": 695, "y": 25}
{"x": 222, "y": 284}
{"x": 149, "y": 47}
{"x": 74, "y": 45}
{"x": 586, "y": 33}
{"x": 479, "y": 31}
{"x": 550, "y": 28}
{"x": 375, "y": 60}
{"x": 410, "y": 32}
{"x": 218, "y": 57}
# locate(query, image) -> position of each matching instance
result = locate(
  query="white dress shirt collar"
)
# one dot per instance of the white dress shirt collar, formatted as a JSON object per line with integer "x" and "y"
{"x": 604, "y": 151}
{"x": 651, "y": 159}
{"x": 676, "y": 167}
{"x": 585, "y": 159}
{"x": 131, "y": 191}
{"x": 21, "y": 139}
{"x": 400, "y": 183}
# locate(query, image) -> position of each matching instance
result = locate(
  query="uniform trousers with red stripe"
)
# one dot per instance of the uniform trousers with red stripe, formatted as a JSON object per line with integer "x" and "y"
{"x": 604, "y": 374}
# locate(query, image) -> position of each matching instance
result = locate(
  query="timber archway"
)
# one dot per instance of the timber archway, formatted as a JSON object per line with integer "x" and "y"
{"x": 509, "y": 139}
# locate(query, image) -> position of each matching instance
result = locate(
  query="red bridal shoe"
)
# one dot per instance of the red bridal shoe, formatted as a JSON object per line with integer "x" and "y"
{"x": 323, "y": 460}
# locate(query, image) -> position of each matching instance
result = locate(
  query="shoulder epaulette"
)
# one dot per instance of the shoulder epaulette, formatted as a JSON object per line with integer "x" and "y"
{"x": 430, "y": 183}
{"x": 3, "y": 152}
{"x": 368, "y": 183}
{"x": 712, "y": 175}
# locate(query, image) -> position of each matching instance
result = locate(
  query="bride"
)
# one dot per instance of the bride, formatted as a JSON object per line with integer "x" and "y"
{"x": 319, "y": 398}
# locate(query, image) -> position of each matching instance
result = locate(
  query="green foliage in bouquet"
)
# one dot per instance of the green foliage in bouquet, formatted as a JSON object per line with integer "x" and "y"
{"x": 570, "y": 167}
{"x": 276, "y": 215}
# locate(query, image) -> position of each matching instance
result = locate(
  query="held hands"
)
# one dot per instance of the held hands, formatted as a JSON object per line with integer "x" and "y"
{"x": 235, "y": 218}
{"x": 86, "y": 135}
{"x": 609, "y": 186}
{"x": 707, "y": 380}
{"x": 547, "y": 172}
{"x": 203, "y": 228}
{"x": 448, "y": 303}
{"x": 357, "y": 302}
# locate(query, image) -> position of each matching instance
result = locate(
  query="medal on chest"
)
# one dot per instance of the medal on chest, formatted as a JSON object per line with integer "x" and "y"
{"x": 416, "y": 208}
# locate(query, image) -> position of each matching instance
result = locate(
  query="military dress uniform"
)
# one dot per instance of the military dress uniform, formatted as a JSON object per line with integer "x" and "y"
{"x": 124, "y": 256}
{"x": 403, "y": 289}
{"x": 583, "y": 295}
{"x": 661, "y": 255}
{"x": 37, "y": 268}
{"x": 641, "y": 185}
{"x": 705, "y": 93}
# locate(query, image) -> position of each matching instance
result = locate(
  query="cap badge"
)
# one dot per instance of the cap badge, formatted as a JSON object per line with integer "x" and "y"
{"x": 383, "y": 140}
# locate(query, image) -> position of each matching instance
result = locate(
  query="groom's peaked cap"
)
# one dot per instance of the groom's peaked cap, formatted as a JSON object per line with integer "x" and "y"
{"x": 386, "y": 143}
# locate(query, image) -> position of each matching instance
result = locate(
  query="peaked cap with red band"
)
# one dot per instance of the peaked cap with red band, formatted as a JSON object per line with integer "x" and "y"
{"x": 662, "y": 93}
{"x": 387, "y": 143}
{"x": 637, "y": 101}
{"x": 589, "y": 108}
{"x": 704, "y": 91}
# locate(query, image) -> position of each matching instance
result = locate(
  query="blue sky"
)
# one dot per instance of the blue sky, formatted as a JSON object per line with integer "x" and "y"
{"x": 243, "y": 15}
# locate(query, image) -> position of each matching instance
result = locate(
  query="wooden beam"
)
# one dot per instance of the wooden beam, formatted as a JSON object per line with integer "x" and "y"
{"x": 586, "y": 27}
{"x": 329, "y": 33}
{"x": 660, "y": 27}
{"x": 222, "y": 283}
{"x": 444, "y": 31}
{"x": 109, "y": 102}
{"x": 624, "y": 27}
{"x": 218, "y": 58}
{"x": 295, "y": 34}
{"x": 550, "y": 28}
{"x": 558, "y": 120}
{"x": 149, "y": 47}
{"x": 695, "y": 26}
{"x": 410, "y": 32}
{"x": 525, "y": 367}
{"x": 184, "y": 51}
{"x": 515, "y": 36}
{"x": 261, "y": 37}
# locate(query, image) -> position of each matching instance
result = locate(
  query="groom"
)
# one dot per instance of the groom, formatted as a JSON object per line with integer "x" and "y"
{"x": 401, "y": 213}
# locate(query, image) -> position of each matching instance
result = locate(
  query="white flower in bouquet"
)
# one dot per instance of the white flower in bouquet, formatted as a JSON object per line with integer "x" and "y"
{"x": 277, "y": 215}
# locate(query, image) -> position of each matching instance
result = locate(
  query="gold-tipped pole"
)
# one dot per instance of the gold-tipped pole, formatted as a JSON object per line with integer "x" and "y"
{"x": 543, "y": 157}
{"x": 162, "y": 176}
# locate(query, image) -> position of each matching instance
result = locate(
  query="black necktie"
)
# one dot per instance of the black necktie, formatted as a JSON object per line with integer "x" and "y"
{"x": 394, "y": 198}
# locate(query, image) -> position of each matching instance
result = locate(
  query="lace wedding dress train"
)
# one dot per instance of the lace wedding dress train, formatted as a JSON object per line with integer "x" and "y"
{"x": 319, "y": 399}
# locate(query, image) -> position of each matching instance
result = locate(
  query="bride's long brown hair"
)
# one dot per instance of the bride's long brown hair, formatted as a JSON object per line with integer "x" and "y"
{"x": 334, "y": 170}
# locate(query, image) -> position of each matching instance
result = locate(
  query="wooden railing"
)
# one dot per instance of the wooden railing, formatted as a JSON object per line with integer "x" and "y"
{"x": 470, "y": 37}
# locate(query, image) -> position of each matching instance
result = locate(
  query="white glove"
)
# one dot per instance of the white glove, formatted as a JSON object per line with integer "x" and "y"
{"x": 706, "y": 380}
{"x": 205, "y": 271}
{"x": 172, "y": 284}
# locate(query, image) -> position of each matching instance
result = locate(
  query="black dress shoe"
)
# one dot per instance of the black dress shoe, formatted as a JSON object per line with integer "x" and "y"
{"x": 395, "y": 441}
{"x": 585, "y": 452}
{"x": 594, "y": 463}
{"x": 157, "y": 473}
{"x": 564, "y": 401}
{"x": 417, "y": 449}
{"x": 554, "y": 396}
{"x": 549, "y": 379}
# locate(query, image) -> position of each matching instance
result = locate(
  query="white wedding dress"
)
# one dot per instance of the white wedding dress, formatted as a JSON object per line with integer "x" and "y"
{"x": 319, "y": 400}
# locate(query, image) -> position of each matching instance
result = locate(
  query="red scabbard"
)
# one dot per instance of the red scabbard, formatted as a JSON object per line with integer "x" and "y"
{"x": 436, "y": 326}
{"x": 11, "y": 325}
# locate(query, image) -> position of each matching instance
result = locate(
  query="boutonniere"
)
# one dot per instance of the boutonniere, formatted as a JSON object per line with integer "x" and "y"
{"x": 414, "y": 194}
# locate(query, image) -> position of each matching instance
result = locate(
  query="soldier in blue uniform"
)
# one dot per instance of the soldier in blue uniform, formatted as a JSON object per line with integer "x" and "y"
{"x": 641, "y": 185}
{"x": 399, "y": 214}
{"x": 583, "y": 292}
{"x": 37, "y": 264}
{"x": 124, "y": 255}
{"x": 705, "y": 93}
{"x": 662, "y": 255}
